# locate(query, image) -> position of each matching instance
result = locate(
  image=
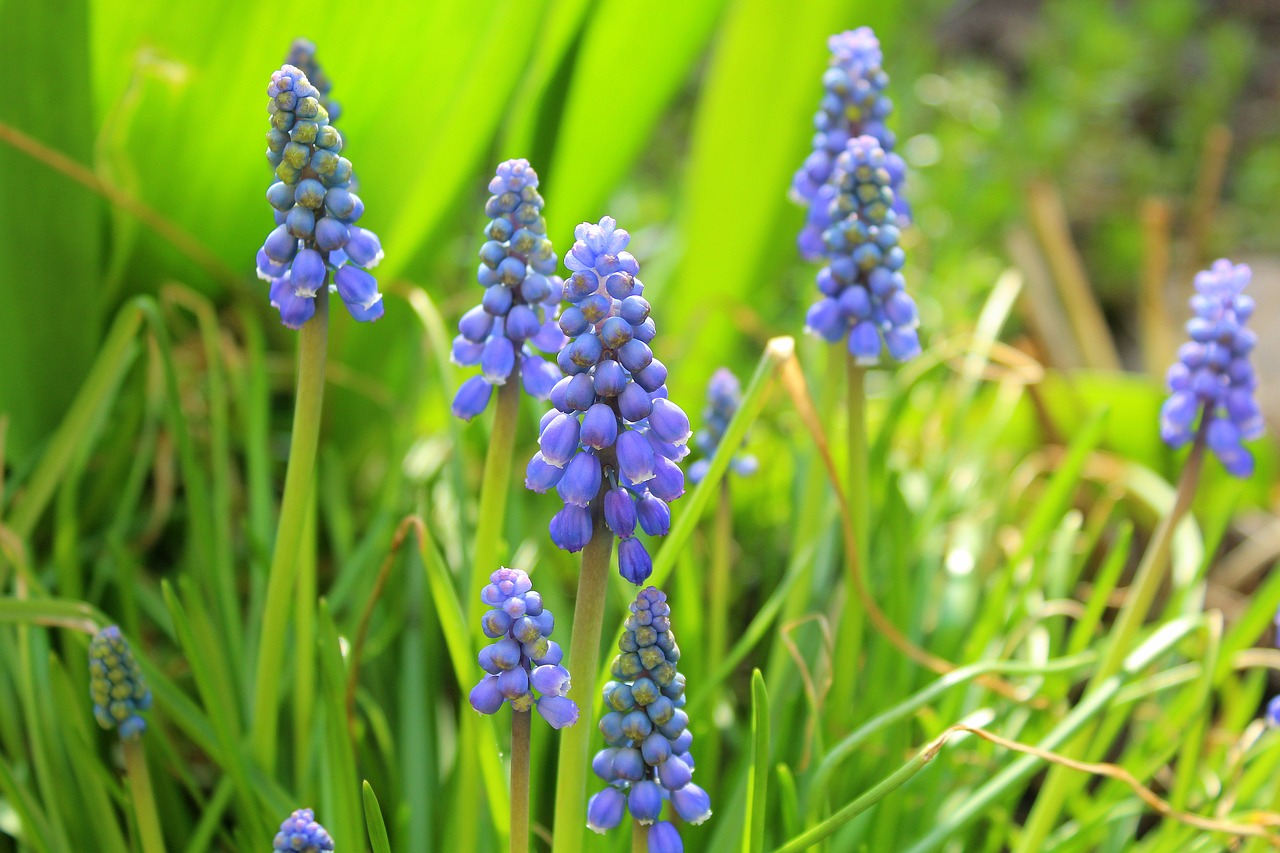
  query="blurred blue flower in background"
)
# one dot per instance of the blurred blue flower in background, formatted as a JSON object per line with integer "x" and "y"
{"x": 116, "y": 685}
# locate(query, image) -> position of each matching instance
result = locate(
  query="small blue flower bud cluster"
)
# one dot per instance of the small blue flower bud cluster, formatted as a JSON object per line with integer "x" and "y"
{"x": 612, "y": 424}
{"x": 517, "y": 316}
{"x": 724, "y": 396}
{"x": 116, "y": 685}
{"x": 302, "y": 55}
{"x": 647, "y": 760}
{"x": 853, "y": 104}
{"x": 862, "y": 284}
{"x": 1213, "y": 372}
{"x": 315, "y": 235}
{"x": 1273, "y": 712}
{"x": 301, "y": 834}
{"x": 522, "y": 660}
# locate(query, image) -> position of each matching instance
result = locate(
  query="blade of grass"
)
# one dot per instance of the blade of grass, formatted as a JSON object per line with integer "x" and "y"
{"x": 758, "y": 775}
{"x": 373, "y": 820}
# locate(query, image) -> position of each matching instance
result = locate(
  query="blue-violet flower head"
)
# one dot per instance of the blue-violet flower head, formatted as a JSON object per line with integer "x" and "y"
{"x": 116, "y": 685}
{"x": 646, "y": 730}
{"x": 724, "y": 397}
{"x": 616, "y": 431}
{"x": 864, "y": 299}
{"x": 301, "y": 834}
{"x": 316, "y": 242}
{"x": 516, "y": 319}
{"x": 854, "y": 103}
{"x": 1213, "y": 374}
{"x": 522, "y": 661}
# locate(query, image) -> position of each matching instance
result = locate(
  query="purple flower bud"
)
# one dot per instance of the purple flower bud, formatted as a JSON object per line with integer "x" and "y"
{"x": 551, "y": 680}
{"x": 636, "y": 460}
{"x": 664, "y": 838}
{"x": 634, "y": 403}
{"x": 634, "y": 563}
{"x": 654, "y": 515}
{"x": 635, "y": 355}
{"x": 669, "y": 422}
{"x": 363, "y": 248}
{"x": 558, "y": 711}
{"x": 472, "y": 397}
{"x": 540, "y": 475}
{"x": 538, "y": 376}
{"x": 580, "y": 394}
{"x": 652, "y": 377}
{"x": 599, "y": 427}
{"x": 485, "y": 696}
{"x": 522, "y": 323}
{"x": 645, "y": 801}
{"x": 604, "y": 810}
{"x": 280, "y": 246}
{"x": 571, "y": 528}
{"x": 356, "y": 287}
{"x": 620, "y": 513}
{"x": 674, "y": 774}
{"x": 559, "y": 441}
{"x": 581, "y": 480}
{"x": 692, "y": 803}
{"x": 307, "y": 274}
{"x": 668, "y": 479}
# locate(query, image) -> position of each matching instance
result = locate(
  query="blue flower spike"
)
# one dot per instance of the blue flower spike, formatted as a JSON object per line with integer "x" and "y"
{"x": 1213, "y": 375}
{"x": 864, "y": 300}
{"x": 316, "y": 242}
{"x": 853, "y": 104}
{"x": 516, "y": 319}
{"x": 724, "y": 397}
{"x": 647, "y": 761}
{"x": 301, "y": 834}
{"x": 302, "y": 55}
{"x": 613, "y": 434}
{"x": 119, "y": 693}
{"x": 522, "y": 661}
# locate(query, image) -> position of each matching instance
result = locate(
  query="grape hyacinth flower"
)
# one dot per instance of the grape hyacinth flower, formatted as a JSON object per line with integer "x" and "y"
{"x": 1213, "y": 373}
{"x": 613, "y": 432}
{"x": 516, "y": 319}
{"x": 647, "y": 761}
{"x": 316, "y": 242}
{"x": 301, "y": 834}
{"x": 853, "y": 104}
{"x": 864, "y": 297}
{"x": 724, "y": 396}
{"x": 302, "y": 55}
{"x": 116, "y": 685}
{"x": 522, "y": 659}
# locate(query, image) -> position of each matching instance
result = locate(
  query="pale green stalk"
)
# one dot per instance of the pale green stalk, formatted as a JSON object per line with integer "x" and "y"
{"x": 717, "y": 617}
{"x": 849, "y": 630}
{"x": 583, "y": 663}
{"x": 521, "y": 723}
{"x": 144, "y": 801}
{"x": 1061, "y": 783}
{"x": 299, "y": 477}
{"x": 494, "y": 490}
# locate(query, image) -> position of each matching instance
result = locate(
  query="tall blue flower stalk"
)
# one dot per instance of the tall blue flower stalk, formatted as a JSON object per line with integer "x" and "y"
{"x": 1211, "y": 405}
{"x": 299, "y": 833}
{"x": 613, "y": 437}
{"x": 523, "y": 669}
{"x": 120, "y": 696}
{"x": 724, "y": 397}
{"x": 610, "y": 448}
{"x": 647, "y": 762}
{"x": 316, "y": 244}
{"x": 516, "y": 319}
{"x": 316, "y": 247}
{"x": 1212, "y": 384}
{"x": 854, "y": 103}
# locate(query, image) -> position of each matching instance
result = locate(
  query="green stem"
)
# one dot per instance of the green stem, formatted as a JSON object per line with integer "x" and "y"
{"x": 520, "y": 726}
{"x": 849, "y": 629}
{"x": 1142, "y": 592}
{"x": 718, "y": 589}
{"x": 639, "y": 837}
{"x": 583, "y": 663}
{"x": 144, "y": 801}
{"x": 494, "y": 490}
{"x": 298, "y": 482}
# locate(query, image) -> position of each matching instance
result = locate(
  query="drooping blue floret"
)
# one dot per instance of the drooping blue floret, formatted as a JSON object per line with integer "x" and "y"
{"x": 116, "y": 685}
{"x": 516, "y": 318}
{"x": 724, "y": 396}
{"x": 853, "y": 104}
{"x": 316, "y": 242}
{"x": 522, "y": 661}
{"x": 1213, "y": 374}
{"x": 864, "y": 299}
{"x": 301, "y": 834}
{"x": 613, "y": 439}
{"x": 647, "y": 761}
